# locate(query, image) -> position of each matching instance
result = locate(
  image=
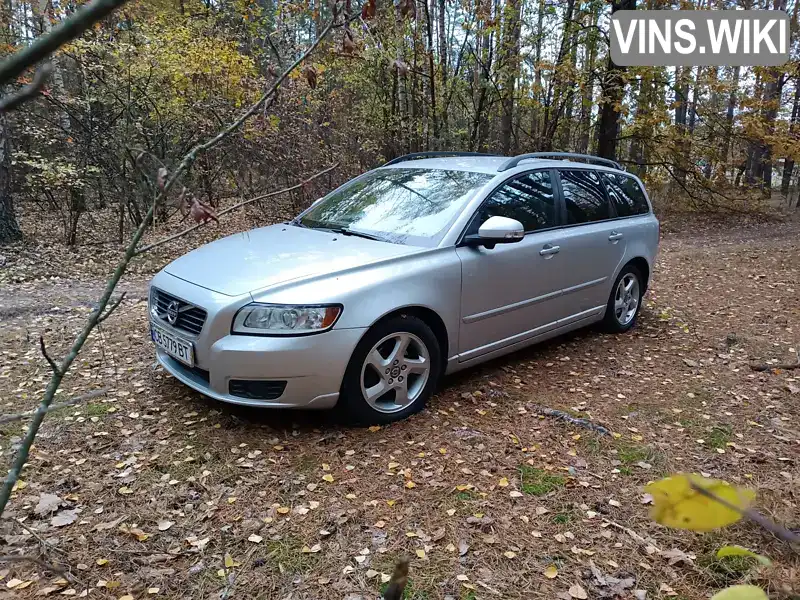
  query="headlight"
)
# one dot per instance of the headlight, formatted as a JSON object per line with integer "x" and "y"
{"x": 279, "y": 319}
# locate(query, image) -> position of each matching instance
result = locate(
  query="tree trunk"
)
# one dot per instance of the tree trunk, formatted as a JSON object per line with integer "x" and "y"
{"x": 788, "y": 164}
{"x": 537, "y": 80}
{"x": 509, "y": 64}
{"x": 728, "y": 137}
{"x": 587, "y": 97}
{"x": 432, "y": 75}
{"x": 613, "y": 88}
{"x": 9, "y": 229}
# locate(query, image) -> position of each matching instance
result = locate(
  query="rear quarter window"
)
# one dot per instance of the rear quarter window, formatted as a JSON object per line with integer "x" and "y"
{"x": 626, "y": 195}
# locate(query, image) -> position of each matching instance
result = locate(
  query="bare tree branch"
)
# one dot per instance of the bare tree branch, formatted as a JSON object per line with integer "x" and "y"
{"x": 58, "y": 406}
{"x": 66, "y": 31}
{"x": 755, "y": 516}
{"x": 29, "y": 91}
{"x": 49, "y": 360}
{"x": 232, "y": 208}
{"x": 112, "y": 308}
{"x": 91, "y": 322}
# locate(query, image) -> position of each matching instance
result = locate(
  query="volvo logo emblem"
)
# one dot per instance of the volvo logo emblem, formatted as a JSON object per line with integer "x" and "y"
{"x": 172, "y": 312}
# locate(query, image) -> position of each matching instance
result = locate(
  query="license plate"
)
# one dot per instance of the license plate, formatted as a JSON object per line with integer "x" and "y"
{"x": 176, "y": 347}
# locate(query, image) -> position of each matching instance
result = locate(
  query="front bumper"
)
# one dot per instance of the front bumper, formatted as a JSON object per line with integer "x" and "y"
{"x": 312, "y": 366}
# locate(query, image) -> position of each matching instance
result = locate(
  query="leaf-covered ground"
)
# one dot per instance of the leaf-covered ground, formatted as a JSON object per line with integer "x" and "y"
{"x": 153, "y": 491}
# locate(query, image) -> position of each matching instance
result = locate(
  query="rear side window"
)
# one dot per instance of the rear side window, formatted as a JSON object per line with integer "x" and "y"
{"x": 584, "y": 197}
{"x": 529, "y": 199}
{"x": 626, "y": 194}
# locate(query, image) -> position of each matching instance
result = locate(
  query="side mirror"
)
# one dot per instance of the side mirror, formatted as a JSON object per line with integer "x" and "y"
{"x": 497, "y": 230}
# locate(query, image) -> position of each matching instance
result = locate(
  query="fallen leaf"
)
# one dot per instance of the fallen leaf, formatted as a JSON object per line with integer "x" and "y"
{"x": 421, "y": 553}
{"x": 65, "y": 517}
{"x": 164, "y": 525}
{"x": 740, "y": 551}
{"x": 312, "y": 550}
{"x": 256, "y": 539}
{"x": 47, "y": 504}
{"x": 410, "y": 484}
{"x": 551, "y": 572}
{"x": 124, "y": 490}
{"x": 510, "y": 554}
{"x": 577, "y": 591}
{"x": 328, "y": 477}
{"x": 503, "y": 482}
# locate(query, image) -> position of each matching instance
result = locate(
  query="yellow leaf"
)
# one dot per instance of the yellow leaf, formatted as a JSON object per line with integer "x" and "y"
{"x": 741, "y": 592}
{"x": 739, "y": 551}
{"x": 374, "y": 428}
{"x": 510, "y": 554}
{"x": 677, "y": 503}
{"x": 421, "y": 553}
{"x": 410, "y": 484}
{"x": 229, "y": 562}
{"x": 124, "y": 490}
{"x": 110, "y": 585}
{"x": 551, "y": 572}
{"x": 503, "y": 482}
{"x": 442, "y": 450}
{"x": 283, "y": 510}
{"x": 102, "y": 561}
{"x": 126, "y": 597}
{"x": 328, "y": 477}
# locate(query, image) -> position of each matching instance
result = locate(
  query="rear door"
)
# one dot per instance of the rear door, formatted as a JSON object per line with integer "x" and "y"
{"x": 592, "y": 243}
{"x": 510, "y": 292}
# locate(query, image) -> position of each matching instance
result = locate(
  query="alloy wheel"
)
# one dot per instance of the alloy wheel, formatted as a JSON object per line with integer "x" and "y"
{"x": 395, "y": 372}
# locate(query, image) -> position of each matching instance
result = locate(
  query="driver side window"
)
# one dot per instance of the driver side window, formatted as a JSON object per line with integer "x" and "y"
{"x": 528, "y": 199}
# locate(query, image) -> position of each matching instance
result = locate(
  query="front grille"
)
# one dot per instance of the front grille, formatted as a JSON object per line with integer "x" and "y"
{"x": 189, "y": 317}
{"x": 256, "y": 390}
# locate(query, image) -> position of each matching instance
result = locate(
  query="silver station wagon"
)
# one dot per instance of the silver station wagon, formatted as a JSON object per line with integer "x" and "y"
{"x": 432, "y": 263}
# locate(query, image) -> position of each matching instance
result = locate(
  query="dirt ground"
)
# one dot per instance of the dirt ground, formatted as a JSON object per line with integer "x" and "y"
{"x": 154, "y": 491}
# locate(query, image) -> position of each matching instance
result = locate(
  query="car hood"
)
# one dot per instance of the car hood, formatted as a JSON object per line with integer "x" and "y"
{"x": 257, "y": 259}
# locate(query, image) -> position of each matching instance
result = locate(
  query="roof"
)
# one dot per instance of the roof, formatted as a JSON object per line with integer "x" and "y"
{"x": 481, "y": 164}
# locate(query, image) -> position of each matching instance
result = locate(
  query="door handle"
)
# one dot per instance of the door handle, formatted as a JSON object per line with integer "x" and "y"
{"x": 548, "y": 250}
{"x": 614, "y": 237}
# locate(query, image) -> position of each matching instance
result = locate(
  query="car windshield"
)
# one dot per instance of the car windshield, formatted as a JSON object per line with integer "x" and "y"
{"x": 403, "y": 206}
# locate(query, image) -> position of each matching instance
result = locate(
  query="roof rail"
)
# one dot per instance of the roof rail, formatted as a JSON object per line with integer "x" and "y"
{"x": 416, "y": 155}
{"x": 513, "y": 162}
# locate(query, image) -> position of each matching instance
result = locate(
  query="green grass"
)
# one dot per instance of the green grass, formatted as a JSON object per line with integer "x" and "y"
{"x": 562, "y": 518}
{"x": 625, "y": 471}
{"x": 288, "y": 554}
{"x": 720, "y": 436}
{"x": 96, "y": 409}
{"x": 727, "y": 570}
{"x": 465, "y": 496}
{"x": 630, "y": 454}
{"x": 537, "y": 482}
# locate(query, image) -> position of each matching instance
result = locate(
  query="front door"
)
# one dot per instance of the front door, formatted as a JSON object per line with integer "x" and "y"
{"x": 510, "y": 292}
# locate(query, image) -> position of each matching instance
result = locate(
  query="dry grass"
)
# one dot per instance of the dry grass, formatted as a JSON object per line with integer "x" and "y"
{"x": 154, "y": 451}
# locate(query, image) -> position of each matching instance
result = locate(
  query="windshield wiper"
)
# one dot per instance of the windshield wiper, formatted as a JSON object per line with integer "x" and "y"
{"x": 361, "y": 234}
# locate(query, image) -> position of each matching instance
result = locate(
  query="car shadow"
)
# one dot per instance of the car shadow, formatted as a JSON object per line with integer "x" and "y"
{"x": 327, "y": 423}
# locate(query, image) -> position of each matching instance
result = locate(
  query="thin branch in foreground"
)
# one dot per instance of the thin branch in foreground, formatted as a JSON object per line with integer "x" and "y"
{"x": 21, "y": 457}
{"x": 29, "y": 91}
{"x": 755, "y": 516}
{"x": 112, "y": 308}
{"x": 58, "y": 406}
{"x": 49, "y": 360}
{"x": 234, "y": 207}
{"x": 66, "y": 31}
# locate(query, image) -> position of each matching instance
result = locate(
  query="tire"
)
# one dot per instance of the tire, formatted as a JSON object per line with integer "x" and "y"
{"x": 382, "y": 386}
{"x": 618, "y": 317}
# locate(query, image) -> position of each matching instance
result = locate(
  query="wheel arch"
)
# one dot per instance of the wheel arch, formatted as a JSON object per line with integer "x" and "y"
{"x": 643, "y": 267}
{"x": 428, "y": 316}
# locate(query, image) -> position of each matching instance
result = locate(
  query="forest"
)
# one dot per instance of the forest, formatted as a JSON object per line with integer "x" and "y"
{"x": 502, "y": 76}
